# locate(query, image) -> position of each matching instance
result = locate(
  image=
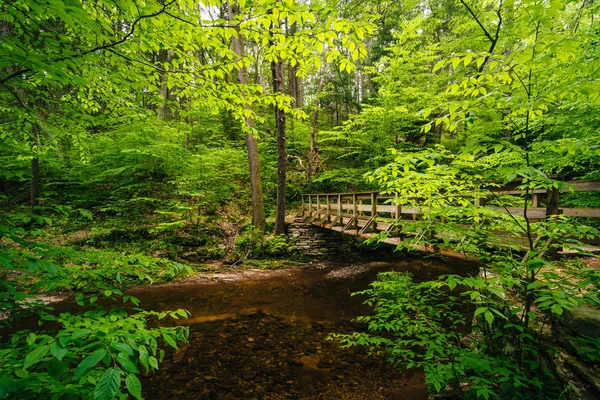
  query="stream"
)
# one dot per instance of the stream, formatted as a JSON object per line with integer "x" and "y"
{"x": 258, "y": 334}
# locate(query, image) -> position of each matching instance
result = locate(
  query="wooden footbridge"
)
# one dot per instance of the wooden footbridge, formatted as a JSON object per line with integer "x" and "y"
{"x": 366, "y": 213}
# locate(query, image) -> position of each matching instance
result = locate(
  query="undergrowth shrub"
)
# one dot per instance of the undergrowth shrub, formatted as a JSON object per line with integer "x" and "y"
{"x": 418, "y": 325}
{"x": 94, "y": 355}
{"x": 50, "y": 268}
{"x": 253, "y": 244}
{"x": 520, "y": 293}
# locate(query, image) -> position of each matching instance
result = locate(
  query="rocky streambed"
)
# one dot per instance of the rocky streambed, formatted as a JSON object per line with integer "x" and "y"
{"x": 261, "y": 356}
{"x": 264, "y": 335}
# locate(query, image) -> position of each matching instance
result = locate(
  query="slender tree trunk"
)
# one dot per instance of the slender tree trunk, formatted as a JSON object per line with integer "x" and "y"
{"x": 280, "y": 119}
{"x": 258, "y": 205}
{"x": 164, "y": 89}
{"x": 294, "y": 87}
{"x": 312, "y": 150}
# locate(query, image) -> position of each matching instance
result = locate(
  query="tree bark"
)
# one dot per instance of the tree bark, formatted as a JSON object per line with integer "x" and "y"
{"x": 164, "y": 89}
{"x": 258, "y": 205}
{"x": 294, "y": 82}
{"x": 280, "y": 119}
{"x": 312, "y": 150}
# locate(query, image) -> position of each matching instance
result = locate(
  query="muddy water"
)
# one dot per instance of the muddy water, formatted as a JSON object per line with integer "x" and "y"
{"x": 263, "y": 335}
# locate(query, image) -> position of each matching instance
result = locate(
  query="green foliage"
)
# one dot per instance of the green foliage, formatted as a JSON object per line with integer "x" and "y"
{"x": 94, "y": 355}
{"x": 417, "y": 325}
{"x": 517, "y": 294}
{"x": 589, "y": 348}
{"x": 45, "y": 267}
{"x": 341, "y": 180}
{"x": 66, "y": 269}
{"x": 252, "y": 244}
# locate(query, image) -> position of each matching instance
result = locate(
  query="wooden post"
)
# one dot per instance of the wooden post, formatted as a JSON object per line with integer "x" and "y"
{"x": 302, "y": 206}
{"x": 355, "y": 208}
{"x": 552, "y": 209}
{"x": 318, "y": 207}
{"x": 535, "y": 200}
{"x": 374, "y": 210}
{"x": 328, "y": 207}
{"x": 552, "y": 202}
{"x": 310, "y": 205}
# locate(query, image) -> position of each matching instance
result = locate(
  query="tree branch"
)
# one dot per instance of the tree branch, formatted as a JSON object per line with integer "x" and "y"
{"x": 508, "y": 212}
{"x": 483, "y": 28}
{"x": 95, "y": 49}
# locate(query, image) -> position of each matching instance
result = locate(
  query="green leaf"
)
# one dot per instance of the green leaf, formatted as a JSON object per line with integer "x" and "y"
{"x": 169, "y": 340}
{"x": 480, "y": 310}
{"x": 126, "y": 363}
{"x": 455, "y": 62}
{"x": 89, "y": 362}
{"x": 108, "y": 385}
{"x": 134, "y": 386}
{"x": 509, "y": 178}
{"x": 86, "y": 214}
{"x": 467, "y": 60}
{"x": 489, "y": 317}
{"x": 144, "y": 357}
{"x": 58, "y": 351}
{"x": 556, "y": 309}
{"x": 31, "y": 338}
{"x": 80, "y": 333}
{"x": 153, "y": 362}
{"x": 35, "y": 356}
{"x": 124, "y": 347}
{"x": 33, "y": 265}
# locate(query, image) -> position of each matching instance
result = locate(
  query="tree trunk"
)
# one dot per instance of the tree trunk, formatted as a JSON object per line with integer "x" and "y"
{"x": 312, "y": 150}
{"x": 258, "y": 205}
{"x": 280, "y": 117}
{"x": 164, "y": 89}
{"x": 294, "y": 88}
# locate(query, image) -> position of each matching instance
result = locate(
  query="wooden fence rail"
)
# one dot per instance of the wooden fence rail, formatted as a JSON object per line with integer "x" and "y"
{"x": 364, "y": 213}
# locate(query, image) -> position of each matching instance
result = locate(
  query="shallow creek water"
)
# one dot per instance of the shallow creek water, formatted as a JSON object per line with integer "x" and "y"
{"x": 263, "y": 335}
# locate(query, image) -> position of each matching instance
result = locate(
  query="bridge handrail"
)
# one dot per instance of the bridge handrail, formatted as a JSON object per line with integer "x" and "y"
{"x": 588, "y": 185}
{"x": 358, "y": 207}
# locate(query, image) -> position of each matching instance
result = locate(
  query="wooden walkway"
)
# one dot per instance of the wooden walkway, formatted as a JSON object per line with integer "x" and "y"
{"x": 366, "y": 213}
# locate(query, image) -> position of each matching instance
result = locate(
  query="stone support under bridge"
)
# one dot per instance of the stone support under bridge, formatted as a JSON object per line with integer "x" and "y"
{"x": 316, "y": 241}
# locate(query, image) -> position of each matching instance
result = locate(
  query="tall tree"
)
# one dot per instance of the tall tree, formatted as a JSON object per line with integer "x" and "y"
{"x": 280, "y": 117}
{"x": 258, "y": 206}
{"x": 277, "y": 74}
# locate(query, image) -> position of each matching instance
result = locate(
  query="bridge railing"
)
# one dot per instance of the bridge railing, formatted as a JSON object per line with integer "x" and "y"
{"x": 374, "y": 211}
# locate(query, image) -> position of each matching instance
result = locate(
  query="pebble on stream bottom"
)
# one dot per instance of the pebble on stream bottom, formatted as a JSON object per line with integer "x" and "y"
{"x": 260, "y": 356}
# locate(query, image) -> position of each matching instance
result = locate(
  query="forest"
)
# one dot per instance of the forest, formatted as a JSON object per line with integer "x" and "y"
{"x": 158, "y": 240}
